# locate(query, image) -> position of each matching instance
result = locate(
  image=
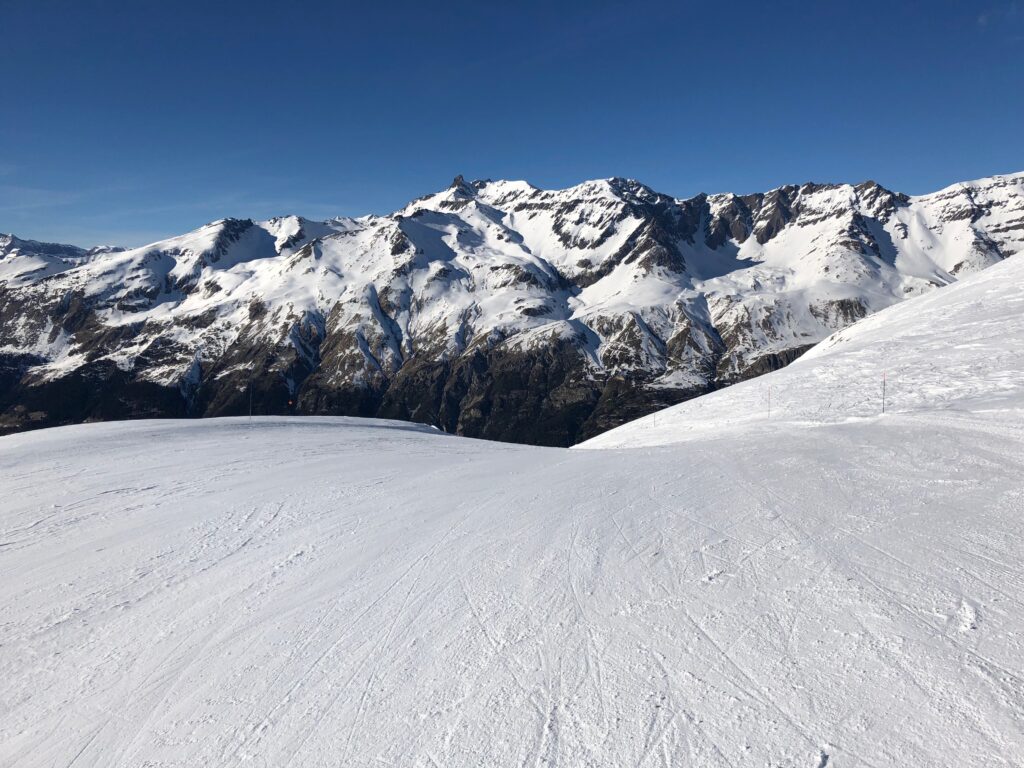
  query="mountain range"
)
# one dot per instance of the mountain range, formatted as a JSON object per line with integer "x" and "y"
{"x": 490, "y": 309}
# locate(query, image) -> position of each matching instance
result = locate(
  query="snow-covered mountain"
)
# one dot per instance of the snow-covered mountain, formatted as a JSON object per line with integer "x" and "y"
{"x": 491, "y": 309}
{"x": 824, "y": 588}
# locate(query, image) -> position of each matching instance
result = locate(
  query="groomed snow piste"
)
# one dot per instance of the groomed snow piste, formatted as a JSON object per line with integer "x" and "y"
{"x": 822, "y": 587}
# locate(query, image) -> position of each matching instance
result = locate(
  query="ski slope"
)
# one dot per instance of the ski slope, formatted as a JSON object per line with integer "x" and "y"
{"x": 827, "y": 587}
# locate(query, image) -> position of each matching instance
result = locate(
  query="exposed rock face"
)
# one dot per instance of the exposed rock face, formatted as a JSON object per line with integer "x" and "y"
{"x": 490, "y": 309}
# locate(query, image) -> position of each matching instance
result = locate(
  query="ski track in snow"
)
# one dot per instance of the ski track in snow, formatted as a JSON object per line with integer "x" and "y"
{"x": 342, "y": 592}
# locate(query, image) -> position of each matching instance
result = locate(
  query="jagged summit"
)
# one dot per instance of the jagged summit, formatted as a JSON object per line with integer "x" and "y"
{"x": 460, "y": 187}
{"x": 489, "y": 308}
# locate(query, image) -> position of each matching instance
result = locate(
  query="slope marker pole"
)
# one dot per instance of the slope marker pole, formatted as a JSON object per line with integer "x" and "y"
{"x": 883, "y": 391}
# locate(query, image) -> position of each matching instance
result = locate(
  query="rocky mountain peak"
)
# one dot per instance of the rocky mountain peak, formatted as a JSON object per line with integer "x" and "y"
{"x": 460, "y": 187}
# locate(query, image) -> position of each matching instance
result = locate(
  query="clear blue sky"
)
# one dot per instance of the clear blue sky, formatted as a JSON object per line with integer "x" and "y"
{"x": 123, "y": 122}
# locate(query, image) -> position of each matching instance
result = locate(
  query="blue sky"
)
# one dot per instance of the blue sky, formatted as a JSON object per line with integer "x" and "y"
{"x": 123, "y": 122}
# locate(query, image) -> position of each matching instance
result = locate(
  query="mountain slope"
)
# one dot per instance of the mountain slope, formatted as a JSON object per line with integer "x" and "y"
{"x": 956, "y": 350}
{"x": 490, "y": 309}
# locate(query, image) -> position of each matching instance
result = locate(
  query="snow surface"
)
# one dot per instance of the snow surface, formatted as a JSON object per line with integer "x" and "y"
{"x": 817, "y": 589}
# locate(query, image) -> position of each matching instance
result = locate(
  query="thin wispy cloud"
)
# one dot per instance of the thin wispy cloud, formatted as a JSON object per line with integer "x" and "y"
{"x": 997, "y": 16}
{"x": 16, "y": 198}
